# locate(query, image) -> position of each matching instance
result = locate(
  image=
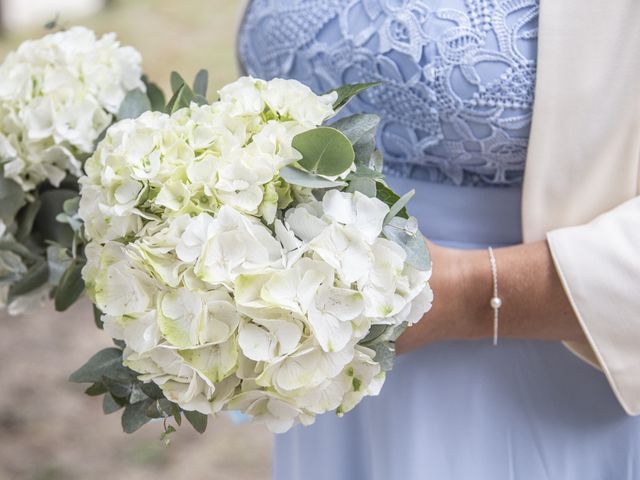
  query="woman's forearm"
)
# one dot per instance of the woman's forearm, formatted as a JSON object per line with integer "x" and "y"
{"x": 534, "y": 304}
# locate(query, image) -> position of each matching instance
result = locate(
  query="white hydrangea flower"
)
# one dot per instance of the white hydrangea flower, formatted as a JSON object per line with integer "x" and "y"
{"x": 57, "y": 94}
{"x": 231, "y": 288}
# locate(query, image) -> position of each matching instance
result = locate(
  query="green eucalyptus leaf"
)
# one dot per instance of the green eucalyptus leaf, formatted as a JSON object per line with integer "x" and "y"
{"x": 176, "y": 81}
{"x": 18, "y": 249}
{"x": 357, "y": 126}
{"x": 385, "y": 355}
{"x": 107, "y": 363}
{"x": 197, "y": 420}
{"x": 181, "y": 99}
{"x": 135, "y": 103}
{"x": 156, "y": 96}
{"x": 201, "y": 83}
{"x": 12, "y": 267}
{"x": 177, "y": 413}
{"x": 12, "y": 199}
{"x": 389, "y": 197}
{"x": 200, "y": 100}
{"x": 152, "y": 390}
{"x": 110, "y": 404}
{"x": 134, "y": 416}
{"x": 36, "y": 276}
{"x": 119, "y": 389}
{"x": 398, "y": 205}
{"x": 295, "y": 176}
{"x": 165, "y": 436}
{"x": 96, "y": 389}
{"x": 388, "y": 333}
{"x": 324, "y": 150}
{"x": 376, "y": 161}
{"x": 137, "y": 394}
{"x": 25, "y": 220}
{"x": 363, "y": 171}
{"x": 364, "y": 185}
{"x": 58, "y": 261}
{"x": 375, "y": 332}
{"x": 413, "y": 243}
{"x": 70, "y": 286}
{"x": 347, "y": 92}
{"x": 360, "y": 129}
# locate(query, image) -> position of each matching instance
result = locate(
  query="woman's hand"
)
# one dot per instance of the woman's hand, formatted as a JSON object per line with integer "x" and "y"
{"x": 534, "y": 303}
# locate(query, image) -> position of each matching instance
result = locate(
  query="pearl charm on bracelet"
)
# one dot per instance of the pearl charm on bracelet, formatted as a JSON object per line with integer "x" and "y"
{"x": 496, "y": 302}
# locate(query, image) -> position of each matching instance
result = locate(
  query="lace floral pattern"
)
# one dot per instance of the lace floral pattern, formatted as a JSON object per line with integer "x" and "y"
{"x": 458, "y": 75}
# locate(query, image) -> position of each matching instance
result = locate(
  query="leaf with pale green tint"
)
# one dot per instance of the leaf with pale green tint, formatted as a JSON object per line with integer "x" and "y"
{"x": 165, "y": 436}
{"x": 12, "y": 199}
{"x": 152, "y": 390}
{"x": 324, "y": 150}
{"x": 135, "y": 103}
{"x": 399, "y": 205}
{"x": 36, "y": 276}
{"x": 413, "y": 243}
{"x": 176, "y": 81}
{"x": 161, "y": 408}
{"x": 363, "y": 171}
{"x": 58, "y": 261}
{"x": 200, "y": 100}
{"x": 70, "y": 286}
{"x": 134, "y": 416}
{"x": 364, "y": 185}
{"x": 117, "y": 388}
{"x": 376, "y": 161}
{"x": 383, "y": 333}
{"x": 357, "y": 126}
{"x": 360, "y": 129}
{"x": 181, "y": 99}
{"x": 302, "y": 178}
{"x": 201, "y": 83}
{"x": 385, "y": 355}
{"x": 197, "y": 420}
{"x": 25, "y": 220}
{"x": 375, "y": 332}
{"x": 137, "y": 394}
{"x": 110, "y": 404}
{"x": 96, "y": 389}
{"x": 155, "y": 94}
{"x": 105, "y": 363}
{"x": 389, "y": 197}
{"x": 347, "y": 92}
{"x": 18, "y": 249}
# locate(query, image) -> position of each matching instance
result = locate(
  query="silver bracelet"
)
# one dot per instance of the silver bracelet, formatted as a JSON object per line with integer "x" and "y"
{"x": 496, "y": 301}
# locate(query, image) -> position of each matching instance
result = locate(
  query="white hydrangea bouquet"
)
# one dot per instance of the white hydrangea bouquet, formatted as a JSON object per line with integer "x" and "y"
{"x": 246, "y": 256}
{"x": 58, "y": 94}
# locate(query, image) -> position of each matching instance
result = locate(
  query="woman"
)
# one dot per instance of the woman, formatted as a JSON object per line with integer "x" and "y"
{"x": 456, "y": 106}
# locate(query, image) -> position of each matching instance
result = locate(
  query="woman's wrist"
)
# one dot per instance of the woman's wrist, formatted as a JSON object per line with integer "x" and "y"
{"x": 462, "y": 289}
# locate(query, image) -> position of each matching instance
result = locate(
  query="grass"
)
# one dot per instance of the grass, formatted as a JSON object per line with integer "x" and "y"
{"x": 181, "y": 35}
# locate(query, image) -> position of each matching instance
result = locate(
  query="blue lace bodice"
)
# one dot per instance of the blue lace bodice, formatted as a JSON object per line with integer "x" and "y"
{"x": 458, "y": 75}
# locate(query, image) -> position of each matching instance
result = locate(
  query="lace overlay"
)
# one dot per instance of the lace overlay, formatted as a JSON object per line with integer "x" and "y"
{"x": 458, "y": 75}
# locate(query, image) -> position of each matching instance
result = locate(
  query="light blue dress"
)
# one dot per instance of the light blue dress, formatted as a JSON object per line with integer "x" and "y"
{"x": 456, "y": 110}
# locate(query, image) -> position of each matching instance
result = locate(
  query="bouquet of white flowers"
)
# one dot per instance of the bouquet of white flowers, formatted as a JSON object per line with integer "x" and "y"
{"x": 246, "y": 256}
{"x": 58, "y": 94}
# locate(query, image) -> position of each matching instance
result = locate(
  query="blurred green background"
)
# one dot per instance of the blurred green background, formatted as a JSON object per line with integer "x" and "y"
{"x": 49, "y": 430}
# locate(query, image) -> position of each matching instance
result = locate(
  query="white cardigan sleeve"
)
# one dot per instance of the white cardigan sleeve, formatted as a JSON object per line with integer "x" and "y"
{"x": 599, "y": 266}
